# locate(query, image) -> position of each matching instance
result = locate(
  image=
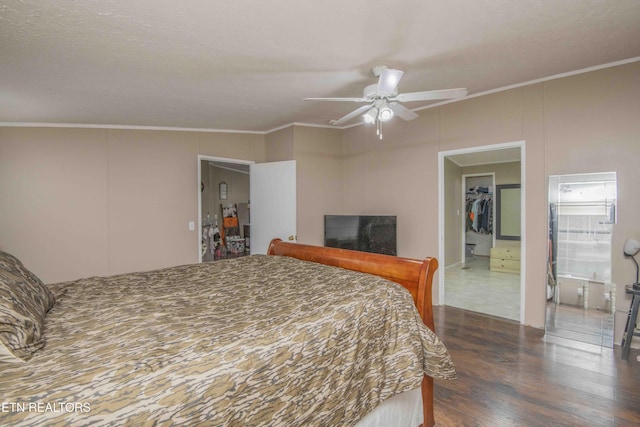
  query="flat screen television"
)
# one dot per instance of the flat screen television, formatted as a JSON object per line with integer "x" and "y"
{"x": 365, "y": 233}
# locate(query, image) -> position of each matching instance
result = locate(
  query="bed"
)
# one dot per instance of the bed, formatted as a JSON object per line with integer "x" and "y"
{"x": 281, "y": 339}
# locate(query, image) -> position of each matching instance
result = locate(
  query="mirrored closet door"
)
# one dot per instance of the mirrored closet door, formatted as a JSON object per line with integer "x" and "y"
{"x": 580, "y": 295}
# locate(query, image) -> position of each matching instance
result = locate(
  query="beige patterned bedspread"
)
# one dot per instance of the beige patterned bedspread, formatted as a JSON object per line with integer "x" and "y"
{"x": 253, "y": 341}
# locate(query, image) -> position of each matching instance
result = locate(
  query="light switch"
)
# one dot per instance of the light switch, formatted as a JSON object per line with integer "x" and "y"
{"x": 192, "y": 225}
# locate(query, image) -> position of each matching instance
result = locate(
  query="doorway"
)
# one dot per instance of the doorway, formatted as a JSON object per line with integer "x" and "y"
{"x": 467, "y": 278}
{"x": 580, "y": 295}
{"x": 271, "y": 212}
{"x": 224, "y": 187}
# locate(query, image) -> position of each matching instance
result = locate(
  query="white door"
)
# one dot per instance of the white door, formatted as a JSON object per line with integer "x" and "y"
{"x": 273, "y": 203}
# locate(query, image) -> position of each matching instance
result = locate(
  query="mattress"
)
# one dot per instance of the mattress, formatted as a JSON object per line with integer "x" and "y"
{"x": 401, "y": 410}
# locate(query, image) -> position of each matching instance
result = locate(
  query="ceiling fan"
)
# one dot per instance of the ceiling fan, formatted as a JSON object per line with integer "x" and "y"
{"x": 383, "y": 100}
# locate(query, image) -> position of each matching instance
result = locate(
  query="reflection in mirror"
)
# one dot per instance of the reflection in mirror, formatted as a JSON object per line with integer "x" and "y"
{"x": 580, "y": 295}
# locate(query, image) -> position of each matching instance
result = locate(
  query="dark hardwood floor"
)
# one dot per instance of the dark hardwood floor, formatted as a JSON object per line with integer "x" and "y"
{"x": 512, "y": 375}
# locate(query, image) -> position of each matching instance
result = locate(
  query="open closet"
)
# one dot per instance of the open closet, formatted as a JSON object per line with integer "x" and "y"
{"x": 478, "y": 218}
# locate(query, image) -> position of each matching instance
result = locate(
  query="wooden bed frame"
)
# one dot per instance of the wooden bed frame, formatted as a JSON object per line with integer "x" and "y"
{"x": 415, "y": 275}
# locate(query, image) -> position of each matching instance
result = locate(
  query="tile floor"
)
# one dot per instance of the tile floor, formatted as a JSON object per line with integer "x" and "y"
{"x": 474, "y": 287}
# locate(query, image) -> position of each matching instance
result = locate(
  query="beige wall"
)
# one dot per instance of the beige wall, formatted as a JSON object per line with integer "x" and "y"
{"x": 318, "y": 155}
{"x": 279, "y": 145}
{"x": 150, "y": 199}
{"x": 83, "y": 202}
{"x": 584, "y": 123}
{"x": 54, "y": 200}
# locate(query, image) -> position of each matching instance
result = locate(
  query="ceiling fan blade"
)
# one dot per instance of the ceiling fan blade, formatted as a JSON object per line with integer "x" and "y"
{"x": 431, "y": 95}
{"x": 351, "y": 115}
{"x": 338, "y": 99}
{"x": 402, "y": 111}
{"x": 388, "y": 81}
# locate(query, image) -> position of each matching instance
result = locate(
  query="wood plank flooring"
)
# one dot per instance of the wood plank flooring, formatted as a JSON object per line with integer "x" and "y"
{"x": 512, "y": 375}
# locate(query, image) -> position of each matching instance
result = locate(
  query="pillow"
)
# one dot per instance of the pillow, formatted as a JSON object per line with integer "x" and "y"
{"x": 13, "y": 264}
{"x": 41, "y": 292}
{"x": 24, "y": 302}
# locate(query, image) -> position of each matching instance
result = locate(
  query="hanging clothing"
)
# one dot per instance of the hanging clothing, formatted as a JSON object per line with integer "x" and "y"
{"x": 479, "y": 214}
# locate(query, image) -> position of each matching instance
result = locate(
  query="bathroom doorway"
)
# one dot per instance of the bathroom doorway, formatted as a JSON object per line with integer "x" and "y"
{"x": 580, "y": 294}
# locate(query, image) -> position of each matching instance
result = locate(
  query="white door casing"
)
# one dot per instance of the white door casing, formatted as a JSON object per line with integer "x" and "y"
{"x": 441, "y": 212}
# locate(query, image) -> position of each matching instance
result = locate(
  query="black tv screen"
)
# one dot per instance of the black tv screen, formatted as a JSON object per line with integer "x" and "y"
{"x": 365, "y": 233}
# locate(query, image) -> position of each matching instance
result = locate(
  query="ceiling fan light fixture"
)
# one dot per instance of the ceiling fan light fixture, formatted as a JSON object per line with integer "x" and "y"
{"x": 385, "y": 114}
{"x": 370, "y": 116}
{"x": 383, "y": 102}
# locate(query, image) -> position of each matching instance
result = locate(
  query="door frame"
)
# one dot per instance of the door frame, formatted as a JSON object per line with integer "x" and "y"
{"x": 202, "y": 157}
{"x": 441, "y": 213}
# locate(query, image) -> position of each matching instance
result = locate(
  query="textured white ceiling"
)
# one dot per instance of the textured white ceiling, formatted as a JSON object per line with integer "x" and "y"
{"x": 246, "y": 65}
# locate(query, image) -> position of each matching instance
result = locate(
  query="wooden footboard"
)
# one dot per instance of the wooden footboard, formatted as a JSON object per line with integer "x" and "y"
{"x": 415, "y": 275}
